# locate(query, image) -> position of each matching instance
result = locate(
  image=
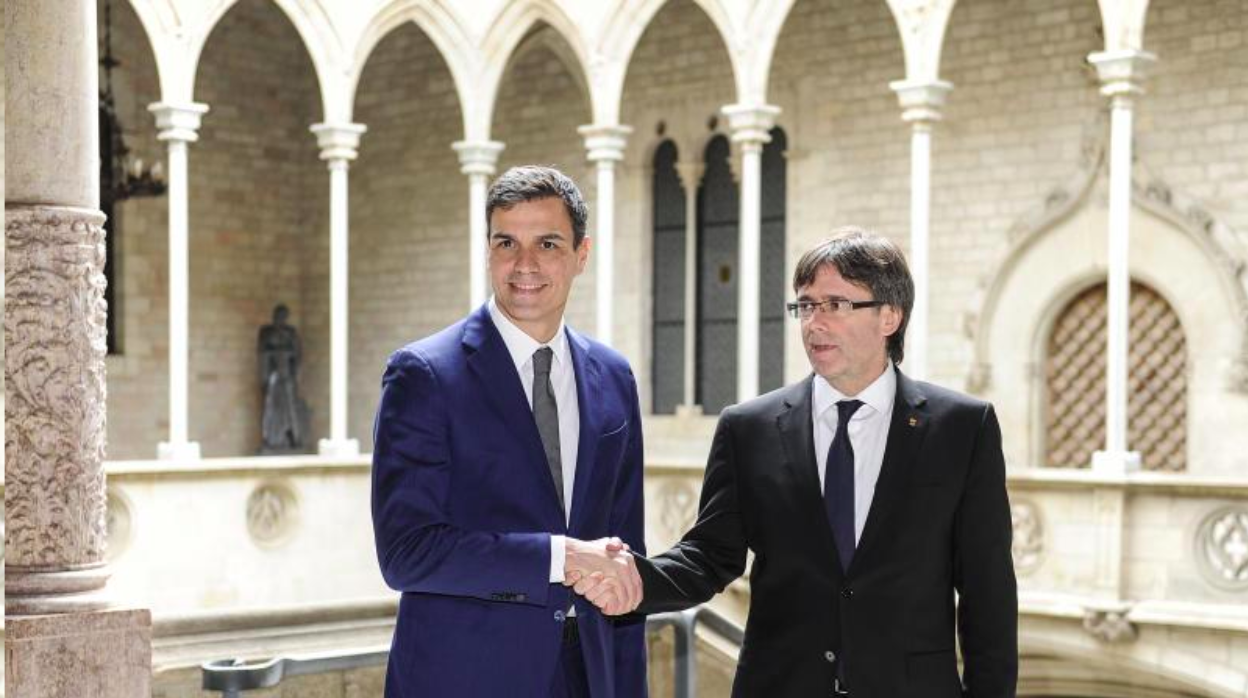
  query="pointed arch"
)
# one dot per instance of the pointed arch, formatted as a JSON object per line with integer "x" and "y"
{"x": 316, "y": 31}
{"x": 440, "y": 25}
{"x": 622, "y": 33}
{"x": 505, "y": 36}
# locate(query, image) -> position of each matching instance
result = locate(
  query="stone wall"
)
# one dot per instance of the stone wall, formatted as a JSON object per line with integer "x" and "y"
{"x": 409, "y": 213}
{"x": 258, "y": 225}
{"x": 1024, "y": 104}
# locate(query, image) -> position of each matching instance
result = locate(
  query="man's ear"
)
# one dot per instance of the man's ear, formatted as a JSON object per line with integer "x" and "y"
{"x": 582, "y": 254}
{"x": 890, "y": 319}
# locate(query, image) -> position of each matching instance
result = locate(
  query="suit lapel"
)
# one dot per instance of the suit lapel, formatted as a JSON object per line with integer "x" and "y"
{"x": 588, "y": 373}
{"x": 905, "y": 434}
{"x": 489, "y": 359}
{"x": 798, "y": 436}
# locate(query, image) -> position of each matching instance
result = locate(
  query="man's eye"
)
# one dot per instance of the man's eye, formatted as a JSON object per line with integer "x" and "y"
{"x": 549, "y": 245}
{"x": 503, "y": 243}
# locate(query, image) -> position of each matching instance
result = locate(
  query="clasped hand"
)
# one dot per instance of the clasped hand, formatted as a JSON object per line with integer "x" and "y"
{"x": 605, "y": 573}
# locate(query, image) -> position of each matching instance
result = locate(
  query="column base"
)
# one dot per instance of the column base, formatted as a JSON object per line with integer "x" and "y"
{"x": 184, "y": 450}
{"x": 103, "y": 654}
{"x": 338, "y": 448}
{"x": 1116, "y": 462}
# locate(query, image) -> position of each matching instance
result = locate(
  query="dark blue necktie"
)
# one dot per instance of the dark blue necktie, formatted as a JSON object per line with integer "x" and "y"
{"x": 838, "y": 484}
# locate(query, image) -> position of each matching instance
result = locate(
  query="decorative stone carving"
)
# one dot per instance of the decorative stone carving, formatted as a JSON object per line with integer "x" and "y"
{"x": 1222, "y": 548}
{"x": 678, "y": 507}
{"x": 1110, "y": 625}
{"x": 272, "y": 513}
{"x": 1028, "y": 547}
{"x": 118, "y": 523}
{"x": 54, "y": 327}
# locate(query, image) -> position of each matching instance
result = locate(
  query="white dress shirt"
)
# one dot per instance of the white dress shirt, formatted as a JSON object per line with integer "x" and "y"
{"x": 563, "y": 381}
{"x": 868, "y": 435}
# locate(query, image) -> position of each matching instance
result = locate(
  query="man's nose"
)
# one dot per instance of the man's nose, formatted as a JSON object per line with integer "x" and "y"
{"x": 526, "y": 259}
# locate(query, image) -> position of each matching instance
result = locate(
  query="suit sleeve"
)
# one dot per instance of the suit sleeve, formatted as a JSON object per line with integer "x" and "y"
{"x": 418, "y": 547}
{"x": 628, "y": 521}
{"x": 984, "y": 572}
{"x": 712, "y": 554}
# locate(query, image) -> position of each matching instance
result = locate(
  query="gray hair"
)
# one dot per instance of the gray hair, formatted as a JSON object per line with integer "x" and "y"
{"x": 532, "y": 182}
{"x": 869, "y": 260}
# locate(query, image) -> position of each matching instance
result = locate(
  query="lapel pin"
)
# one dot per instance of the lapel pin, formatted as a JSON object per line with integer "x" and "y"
{"x": 914, "y": 421}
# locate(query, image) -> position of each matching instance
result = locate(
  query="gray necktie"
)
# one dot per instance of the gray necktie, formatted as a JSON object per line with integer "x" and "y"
{"x": 546, "y": 414}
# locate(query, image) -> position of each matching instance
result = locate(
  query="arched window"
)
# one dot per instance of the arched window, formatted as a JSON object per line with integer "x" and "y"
{"x": 667, "y": 368}
{"x": 719, "y": 211}
{"x": 774, "y": 281}
{"x": 1075, "y": 382}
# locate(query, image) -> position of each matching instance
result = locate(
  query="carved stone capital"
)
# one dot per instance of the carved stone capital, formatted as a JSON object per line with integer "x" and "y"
{"x": 477, "y": 157}
{"x": 178, "y": 122}
{"x": 338, "y": 142}
{"x": 54, "y": 337}
{"x": 751, "y": 125}
{"x": 921, "y": 101}
{"x": 605, "y": 143}
{"x": 1122, "y": 73}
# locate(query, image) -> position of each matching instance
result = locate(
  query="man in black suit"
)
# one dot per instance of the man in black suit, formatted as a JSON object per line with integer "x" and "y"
{"x": 856, "y": 583}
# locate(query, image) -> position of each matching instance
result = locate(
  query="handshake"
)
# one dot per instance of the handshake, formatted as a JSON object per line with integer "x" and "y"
{"x": 604, "y": 572}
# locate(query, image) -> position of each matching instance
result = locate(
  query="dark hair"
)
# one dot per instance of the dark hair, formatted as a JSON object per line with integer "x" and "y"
{"x": 869, "y": 260}
{"x": 532, "y": 182}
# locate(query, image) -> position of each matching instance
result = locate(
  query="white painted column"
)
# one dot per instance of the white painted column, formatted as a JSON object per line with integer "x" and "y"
{"x": 605, "y": 146}
{"x": 477, "y": 159}
{"x": 690, "y": 178}
{"x": 921, "y": 103}
{"x": 750, "y": 126}
{"x": 179, "y": 126}
{"x": 1121, "y": 74}
{"x": 339, "y": 145}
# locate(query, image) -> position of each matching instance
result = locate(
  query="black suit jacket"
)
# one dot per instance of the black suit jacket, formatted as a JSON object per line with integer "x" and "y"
{"x": 939, "y": 523}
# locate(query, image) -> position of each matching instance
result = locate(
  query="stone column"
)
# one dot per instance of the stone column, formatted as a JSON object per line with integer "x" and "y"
{"x": 605, "y": 146}
{"x": 338, "y": 143}
{"x": 1121, "y": 74}
{"x": 750, "y": 126}
{"x": 921, "y": 103}
{"x": 179, "y": 126}
{"x": 690, "y": 178}
{"x": 61, "y": 639}
{"x": 477, "y": 160}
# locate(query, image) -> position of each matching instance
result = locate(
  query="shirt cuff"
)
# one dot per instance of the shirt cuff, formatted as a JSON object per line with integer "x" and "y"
{"x": 558, "y": 551}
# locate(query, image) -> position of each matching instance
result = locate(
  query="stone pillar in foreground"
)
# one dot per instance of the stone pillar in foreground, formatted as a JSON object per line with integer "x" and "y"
{"x": 61, "y": 636}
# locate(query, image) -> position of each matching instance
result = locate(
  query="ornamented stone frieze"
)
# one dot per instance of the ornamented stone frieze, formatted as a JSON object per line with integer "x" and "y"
{"x": 1222, "y": 548}
{"x": 1110, "y": 625}
{"x": 54, "y": 335}
{"x": 1028, "y": 546}
{"x": 678, "y": 507}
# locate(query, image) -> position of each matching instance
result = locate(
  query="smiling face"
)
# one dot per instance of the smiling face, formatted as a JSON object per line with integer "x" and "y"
{"x": 849, "y": 351}
{"x": 533, "y": 263}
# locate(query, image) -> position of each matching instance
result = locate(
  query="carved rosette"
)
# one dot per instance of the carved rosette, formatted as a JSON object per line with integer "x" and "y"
{"x": 54, "y": 336}
{"x": 678, "y": 507}
{"x": 1222, "y": 548}
{"x": 272, "y": 513}
{"x": 119, "y": 523}
{"x": 1028, "y": 546}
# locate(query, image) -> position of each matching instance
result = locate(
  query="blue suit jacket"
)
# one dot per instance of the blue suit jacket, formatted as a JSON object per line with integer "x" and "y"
{"x": 464, "y": 506}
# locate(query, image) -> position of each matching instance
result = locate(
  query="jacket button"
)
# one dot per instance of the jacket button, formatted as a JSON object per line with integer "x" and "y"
{"x": 830, "y": 656}
{"x": 847, "y": 593}
{"x": 559, "y": 616}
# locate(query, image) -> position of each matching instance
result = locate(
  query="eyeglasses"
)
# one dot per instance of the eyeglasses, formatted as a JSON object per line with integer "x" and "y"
{"x": 837, "y": 307}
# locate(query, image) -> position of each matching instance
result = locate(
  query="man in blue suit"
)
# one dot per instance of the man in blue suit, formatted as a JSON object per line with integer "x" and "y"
{"x": 503, "y": 444}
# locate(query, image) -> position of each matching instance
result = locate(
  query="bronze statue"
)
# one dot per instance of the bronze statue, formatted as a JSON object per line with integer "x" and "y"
{"x": 284, "y": 424}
